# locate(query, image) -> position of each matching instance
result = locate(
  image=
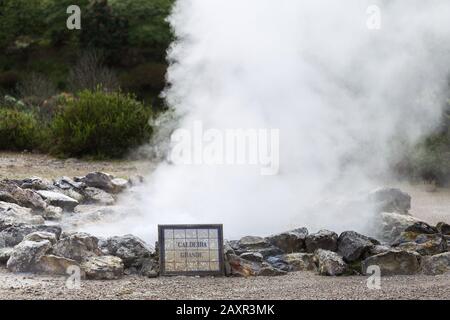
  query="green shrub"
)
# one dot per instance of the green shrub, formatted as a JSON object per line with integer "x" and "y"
{"x": 100, "y": 124}
{"x": 19, "y": 130}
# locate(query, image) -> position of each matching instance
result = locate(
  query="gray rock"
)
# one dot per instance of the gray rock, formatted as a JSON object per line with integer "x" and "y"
{"x": 149, "y": 268}
{"x": 132, "y": 250}
{"x": 41, "y": 236}
{"x": 77, "y": 246}
{"x": 65, "y": 183}
{"x": 5, "y": 254}
{"x": 255, "y": 244}
{"x": 52, "y": 213}
{"x": 98, "y": 196}
{"x": 443, "y": 228}
{"x": 23, "y": 197}
{"x": 300, "y": 261}
{"x": 54, "y": 265}
{"x": 394, "y": 262}
{"x": 98, "y": 180}
{"x": 424, "y": 244}
{"x": 278, "y": 263}
{"x": 324, "y": 239}
{"x": 437, "y": 264}
{"x": 391, "y": 225}
{"x": 377, "y": 249}
{"x": 421, "y": 227}
{"x": 270, "y": 271}
{"x": 291, "y": 241}
{"x": 13, "y": 214}
{"x": 58, "y": 200}
{"x": 119, "y": 184}
{"x": 329, "y": 263}
{"x": 241, "y": 267}
{"x": 15, "y": 234}
{"x": 103, "y": 268}
{"x": 26, "y": 255}
{"x": 36, "y": 183}
{"x": 390, "y": 200}
{"x": 252, "y": 256}
{"x": 352, "y": 245}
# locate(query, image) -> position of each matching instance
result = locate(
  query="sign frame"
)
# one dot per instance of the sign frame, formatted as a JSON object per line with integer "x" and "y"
{"x": 161, "y": 245}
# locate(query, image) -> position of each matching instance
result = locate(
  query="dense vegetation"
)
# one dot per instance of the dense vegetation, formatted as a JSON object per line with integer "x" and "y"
{"x": 45, "y": 70}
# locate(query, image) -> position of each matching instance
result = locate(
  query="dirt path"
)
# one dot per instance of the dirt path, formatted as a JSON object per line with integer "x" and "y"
{"x": 23, "y": 165}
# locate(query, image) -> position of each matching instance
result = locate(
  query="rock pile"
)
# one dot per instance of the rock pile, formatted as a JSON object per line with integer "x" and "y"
{"x": 407, "y": 246}
{"x": 32, "y": 240}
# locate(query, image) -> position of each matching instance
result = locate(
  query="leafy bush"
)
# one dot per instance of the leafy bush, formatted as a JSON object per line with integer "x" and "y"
{"x": 19, "y": 130}
{"x": 100, "y": 124}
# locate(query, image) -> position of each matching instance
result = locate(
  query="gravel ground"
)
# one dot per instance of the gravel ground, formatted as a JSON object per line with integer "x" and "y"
{"x": 298, "y": 286}
{"x": 24, "y": 165}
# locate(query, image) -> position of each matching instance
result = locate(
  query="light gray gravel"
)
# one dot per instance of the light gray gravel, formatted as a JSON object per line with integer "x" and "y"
{"x": 299, "y": 285}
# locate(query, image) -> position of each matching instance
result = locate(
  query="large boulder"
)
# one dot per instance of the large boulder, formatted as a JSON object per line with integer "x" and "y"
{"x": 329, "y": 263}
{"x": 390, "y": 200}
{"x": 24, "y": 197}
{"x": 149, "y": 268}
{"x": 15, "y": 234}
{"x": 324, "y": 239}
{"x": 54, "y": 265}
{"x": 421, "y": 227}
{"x": 13, "y": 214}
{"x": 53, "y": 213}
{"x": 41, "y": 236}
{"x": 391, "y": 225}
{"x": 98, "y": 180}
{"x": 103, "y": 267}
{"x": 26, "y": 255}
{"x": 252, "y": 256}
{"x": 268, "y": 270}
{"x": 58, "y": 200}
{"x": 352, "y": 245}
{"x": 437, "y": 264}
{"x": 5, "y": 254}
{"x": 98, "y": 196}
{"x": 241, "y": 267}
{"x": 300, "y": 261}
{"x": 66, "y": 183}
{"x": 443, "y": 228}
{"x": 36, "y": 183}
{"x": 278, "y": 263}
{"x": 424, "y": 244}
{"x": 394, "y": 262}
{"x": 119, "y": 184}
{"x": 255, "y": 244}
{"x": 132, "y": 250}
{"x": 77, "y": 246}
{"x": 290, "y": 241}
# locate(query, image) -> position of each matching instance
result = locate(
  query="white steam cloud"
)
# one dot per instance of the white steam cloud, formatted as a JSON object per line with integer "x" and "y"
{"x": 344, "y": 97}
